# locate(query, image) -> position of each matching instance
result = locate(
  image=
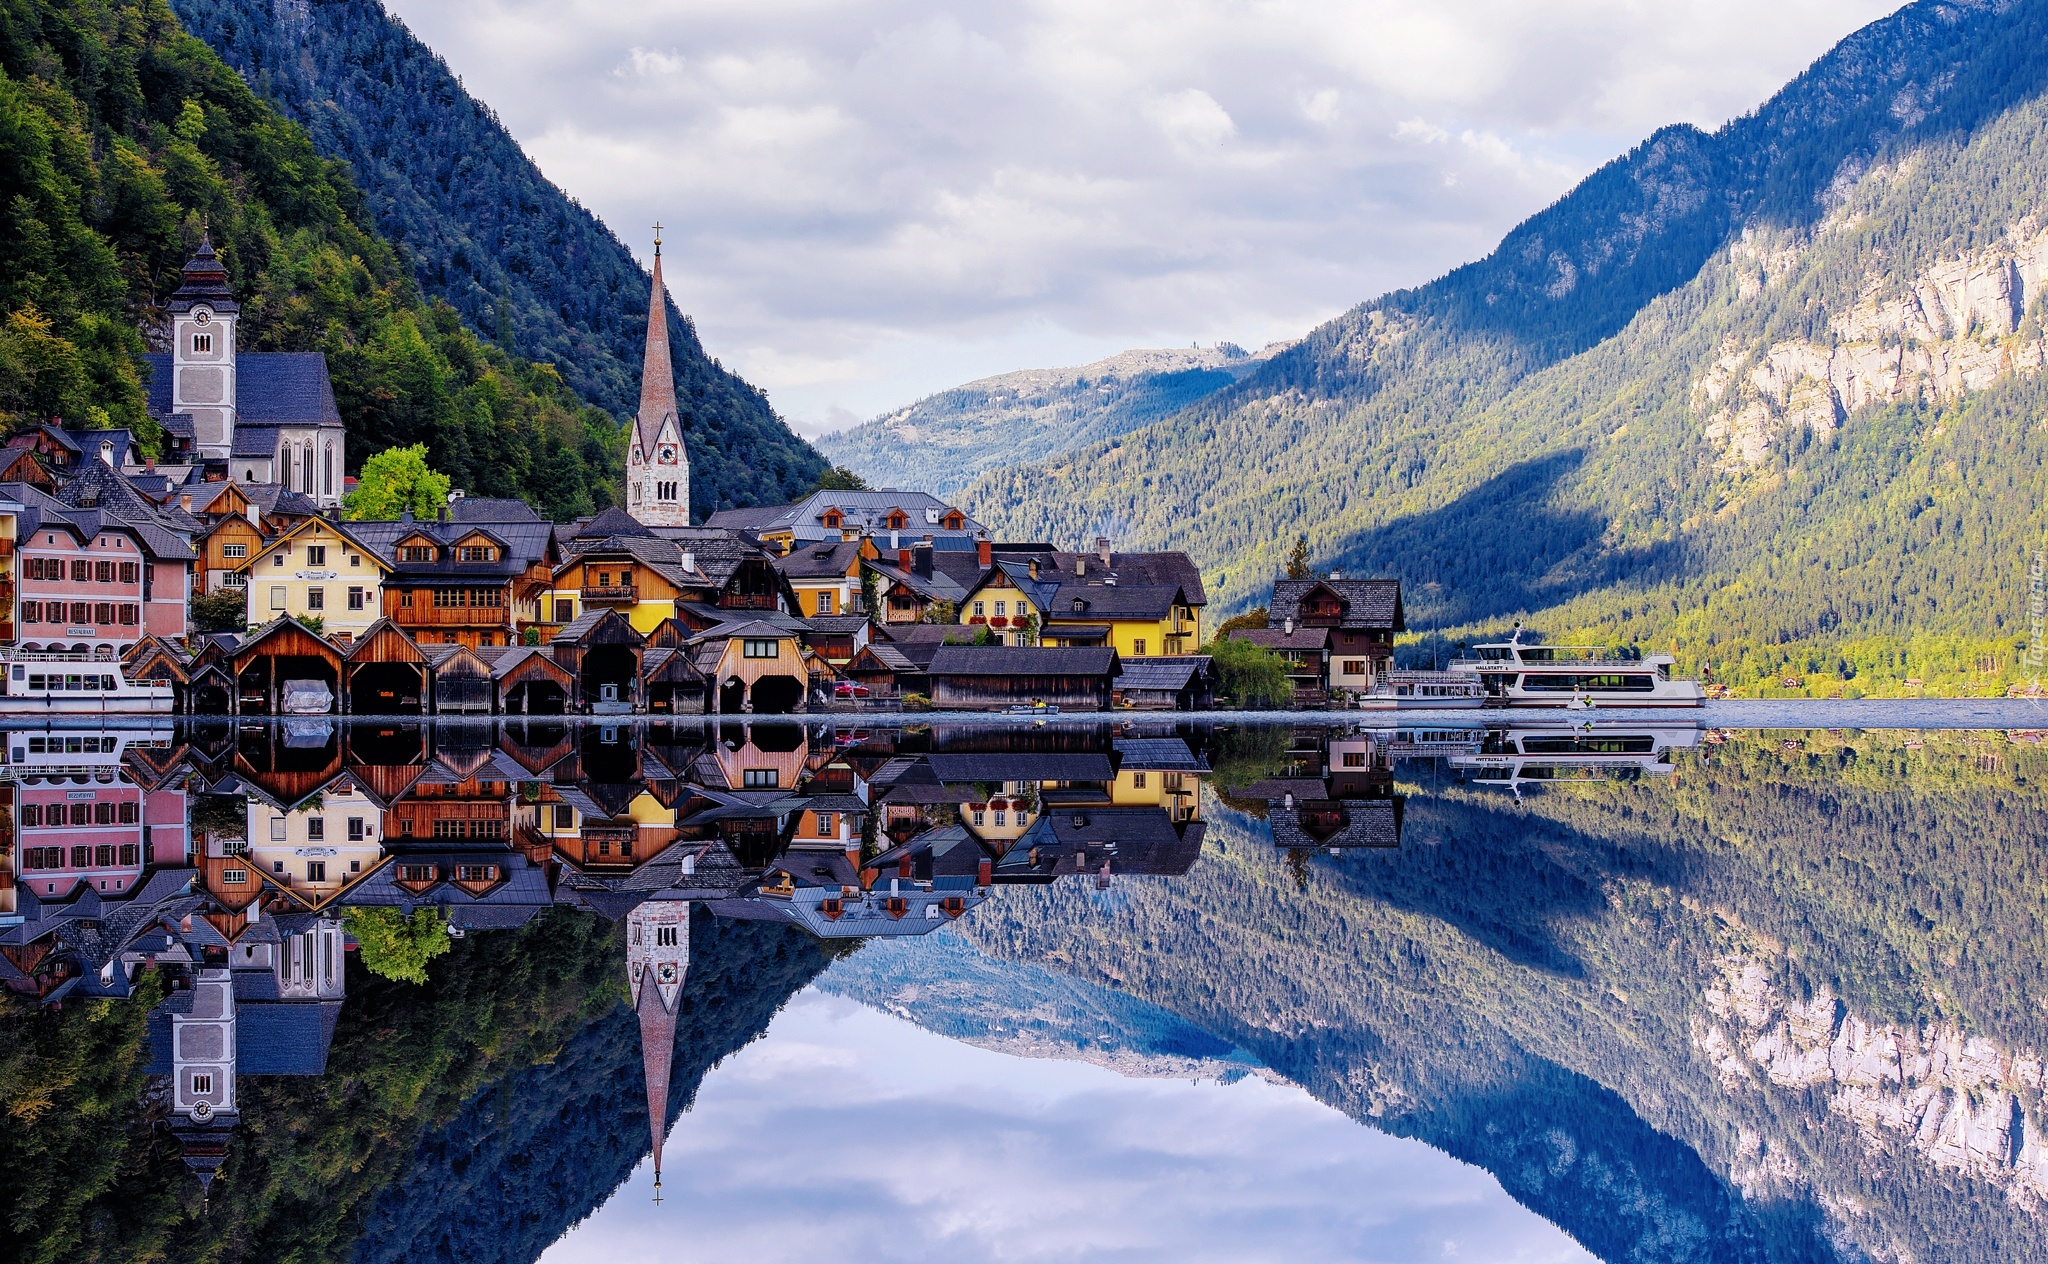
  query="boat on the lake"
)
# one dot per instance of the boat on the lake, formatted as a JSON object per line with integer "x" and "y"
{"x": 1424, "y": 691}
{"x": 76, "y": 684}
{"x": 1513, "y": 673}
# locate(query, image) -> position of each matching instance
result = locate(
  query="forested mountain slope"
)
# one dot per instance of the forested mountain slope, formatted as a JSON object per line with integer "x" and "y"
{"x": 121, "y": 140}
{"x": 1661, "y": 410}
{"x": 941, "y": 442}
{"x": 526, "y": 265}
{"x": 1779, "y": 1007}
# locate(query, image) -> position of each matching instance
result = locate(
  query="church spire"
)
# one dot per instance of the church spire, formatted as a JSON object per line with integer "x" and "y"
{"x": 657, "y": 959}
{"x": 657, "y": 370}
{"x": 657, "y": 1052}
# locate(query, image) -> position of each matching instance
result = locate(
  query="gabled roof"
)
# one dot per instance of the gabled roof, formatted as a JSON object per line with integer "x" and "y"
{"x": 1018, "y": 660}
{"x": 611, "y": 522}
{"x": 862, "y": 511}
{"x": 341, "y": 529}
{"x": 272, "y": 389}
{"x": 492, "y": 509}
{"x": 830, "y": 560}
{"x": 1277, "y": 637}
{"x": 1368, "y": 604}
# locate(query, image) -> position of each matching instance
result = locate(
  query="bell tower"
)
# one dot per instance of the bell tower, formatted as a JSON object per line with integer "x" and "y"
{"x": 657, "y": 958}
{"x": 657, "y": 464}
{"x": 203, "y": 316}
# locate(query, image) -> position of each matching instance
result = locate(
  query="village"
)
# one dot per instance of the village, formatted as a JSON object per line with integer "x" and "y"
{"x": 845, "y": 600}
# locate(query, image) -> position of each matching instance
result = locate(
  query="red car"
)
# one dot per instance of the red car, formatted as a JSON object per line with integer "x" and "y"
{"x": 847, "y": 689}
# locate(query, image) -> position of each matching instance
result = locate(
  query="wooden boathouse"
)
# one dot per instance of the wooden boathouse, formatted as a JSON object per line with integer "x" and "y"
{"x": 997, "y": 677}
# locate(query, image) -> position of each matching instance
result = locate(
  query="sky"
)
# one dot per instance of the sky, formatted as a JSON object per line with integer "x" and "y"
{"x": 870, "y": 200}
{"x": 846, "y": 1133}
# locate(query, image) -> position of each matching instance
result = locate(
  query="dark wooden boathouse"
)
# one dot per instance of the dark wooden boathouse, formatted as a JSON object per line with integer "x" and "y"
{"x": 281, "y": 652}
{"x": 529, "y": 681}
{"x": 602, "y": 652}
{"x": 997, "y": 677}
{"x": 387, "y": 672}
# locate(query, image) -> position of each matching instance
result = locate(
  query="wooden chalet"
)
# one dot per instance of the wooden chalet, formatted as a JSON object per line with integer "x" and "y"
{"x": 386, "y": 673}
{"x": 602, "y": 653}
{"x": 670, "y": 683}
{"x": 462, "y": 683}
{"x": 528, "y": 680}
{"x": 283, "y": 650}
{"x": 23, "y": 464}
{"x": 997, "y": 677}
{"x": 153, "y": 660}
{"x": 613, "y": 562}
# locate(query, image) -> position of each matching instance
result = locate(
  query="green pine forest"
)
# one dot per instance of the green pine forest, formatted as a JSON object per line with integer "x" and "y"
{"x": 1522, "y": 440}
{"x": 122, "y": 139}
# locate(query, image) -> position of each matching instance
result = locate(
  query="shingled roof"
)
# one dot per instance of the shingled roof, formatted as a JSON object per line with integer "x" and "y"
{"x": 1368, "y": 604}
{"x": 272, "y": 389}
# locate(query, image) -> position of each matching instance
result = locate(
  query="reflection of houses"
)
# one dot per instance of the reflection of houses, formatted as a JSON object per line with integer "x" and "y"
{"x": 1336, "y": 792}
{"x": 1159, "y": 772}
{"x": 318, "y": 848}
{"x": 1101, "y": 841}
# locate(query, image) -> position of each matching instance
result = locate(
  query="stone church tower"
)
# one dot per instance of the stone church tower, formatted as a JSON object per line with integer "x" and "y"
{"x": 657, "y": 958}
{"x": 657, "y": 466}
{"x": 203, "y": 316}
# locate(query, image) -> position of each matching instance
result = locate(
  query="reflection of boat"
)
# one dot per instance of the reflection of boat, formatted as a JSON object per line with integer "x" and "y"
{"x": 1036, "y": 708}
{"x": 1511, "y": 673}
{"x": 73, "y": 684}
{"x": 75, "y": 749}
{"x": 1590, "y": 752}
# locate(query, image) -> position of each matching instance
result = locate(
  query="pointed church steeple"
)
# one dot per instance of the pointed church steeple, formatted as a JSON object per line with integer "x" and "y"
{"x": 657, "y": 958}
{"x": 657, "y": 466}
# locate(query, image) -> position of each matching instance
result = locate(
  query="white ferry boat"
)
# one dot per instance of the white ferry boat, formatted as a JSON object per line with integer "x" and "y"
{"x": 1424, "y": 691}
{"x": 1511, "y": 673}
{"x": 74, "y": 684}
{"x": 1513, "y": 757}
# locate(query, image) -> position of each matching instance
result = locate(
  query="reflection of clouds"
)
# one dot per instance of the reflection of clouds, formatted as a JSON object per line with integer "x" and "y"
{"x": 913, "y": 190}
{"x": 846, "y": 1134}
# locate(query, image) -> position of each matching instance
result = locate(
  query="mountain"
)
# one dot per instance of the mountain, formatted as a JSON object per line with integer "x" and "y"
{"x": 122, "y": 141}
{"x": 1777, "y": 1007}
{"x": 941, "y": 442}
{"x": 1764, "y": 395}
{"x": 482, "y": 230}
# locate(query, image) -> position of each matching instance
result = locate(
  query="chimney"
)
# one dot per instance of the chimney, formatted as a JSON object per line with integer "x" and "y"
{"x": 1287, "y": 625}
{"x": 689, "y": 560}
{"x": 444, "y": 514}
{"x": 1336, "y": 574}
{"x": 985, "y": 873}
{"x": 984, "y": 553}
{"x": 149, "y": 465}
{"x": 902, "y": 558}
{"x": 185, "y": 503}
{"x": 895, "y": 539}
{"x": 1034, "y": 568}
{"x": 922, "y": 557}
{"x": 1102, "y": 548}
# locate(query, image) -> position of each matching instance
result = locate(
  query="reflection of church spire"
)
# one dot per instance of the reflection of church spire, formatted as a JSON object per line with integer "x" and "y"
{"x": 657, "y": 957}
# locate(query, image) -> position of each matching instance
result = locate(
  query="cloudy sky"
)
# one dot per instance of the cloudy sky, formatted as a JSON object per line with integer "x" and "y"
{"x": 869, "y": 200}
{"x": 848, "y": 1134}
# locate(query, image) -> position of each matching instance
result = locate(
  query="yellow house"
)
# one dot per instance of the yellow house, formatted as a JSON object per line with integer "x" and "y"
{"x": 317, "y": 569}
{"x": 320, "y": 848}
{"x": 826, "y": 576}
{"x": 1140, "y": 604}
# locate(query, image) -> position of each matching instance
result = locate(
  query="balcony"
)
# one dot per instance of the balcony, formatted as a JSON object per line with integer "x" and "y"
{"x": 744, "y": 601}
{"x": 611, "y": 595}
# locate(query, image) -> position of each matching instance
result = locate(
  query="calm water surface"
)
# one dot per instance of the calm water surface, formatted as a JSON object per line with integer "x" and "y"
{"x": 1615, "y": 990}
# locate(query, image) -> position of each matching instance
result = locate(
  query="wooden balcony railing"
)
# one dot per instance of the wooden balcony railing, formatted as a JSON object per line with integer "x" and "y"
{"x": 744, "y": 601}
{"x": 611, "y": 595}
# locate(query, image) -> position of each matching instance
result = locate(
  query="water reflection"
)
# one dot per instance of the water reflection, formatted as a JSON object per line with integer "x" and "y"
{"x": 1687, "y": 994}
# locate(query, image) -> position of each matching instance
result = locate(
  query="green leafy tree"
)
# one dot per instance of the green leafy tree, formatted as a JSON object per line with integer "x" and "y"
{"x": 1254, "y": 618}
{"x": 396, "y": 480}
{"x": 396, "y": 946}
{"x": 1297, "y": 559}
{"x": 840, "y": 479}
{"x": 223, "y": 611}
{"x": 1251, "y": 675}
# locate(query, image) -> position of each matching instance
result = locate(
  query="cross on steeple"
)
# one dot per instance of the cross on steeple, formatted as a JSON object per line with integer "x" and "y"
{"x": 657, "y": 239}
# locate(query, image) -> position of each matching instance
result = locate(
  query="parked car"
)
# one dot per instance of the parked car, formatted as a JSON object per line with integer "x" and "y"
{"x": 847, "y": 689}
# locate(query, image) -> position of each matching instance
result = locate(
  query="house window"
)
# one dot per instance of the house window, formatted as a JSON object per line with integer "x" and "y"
{"x": 316, "y": 599}
{"x": 759, "y": 779}
{"x": 129, "y": 614}
{"x": 417, "y": 873}
{"x": 405, "y": 597}
{"x": 316, "y": 555}
{"x": 81, "y": 571}
{"x": 761, "y": 648}
{"x": 31, "y": 612}
{"x": 1138, "y": 646}
{"x": 103, "y": 612}
{"x": 824, "y": 824}
{"x": 31, "y": 815}
{"x": 234, "y": 550}
{"x": 1138, "y": 781}
{"x": 1001, "y": 818}
{"x": 824, "y": 603}
{"x": 130, "y": 572}
{"x": 476, "y": 873}
{"x": 565, "y": 611}
{"x": 276, "y": 829}
{"x": 1354, "y": 759}
{"x": 565, "y": 816}
{"x": 980, "y": 608}
{"x": 355, "y": 829}
{"x": 1354, "y": 667}
{"x": 316, "y": 827}
{"x": 316, "y": 871}
{"x": 103, "y": 572}
{"x": 355, "y": 598}
{"x": 81, "y": 612}
{"x": 234, "y": 877}
{"x": 355, "y": 559}
{"x": 978, "y": 821}
{"x": 415, "y": 553}
{"x": 277, "y": 559}
{"x": 478, "y": 553}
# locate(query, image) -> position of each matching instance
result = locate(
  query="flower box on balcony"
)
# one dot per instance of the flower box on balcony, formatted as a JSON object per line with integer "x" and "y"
{"x": 1000, "y": 621}
{"x": 976, "y": 619}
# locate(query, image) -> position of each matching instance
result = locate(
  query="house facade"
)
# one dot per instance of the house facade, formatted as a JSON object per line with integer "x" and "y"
{"x": 85, "y": 583}
{"x": 318, "y": 570}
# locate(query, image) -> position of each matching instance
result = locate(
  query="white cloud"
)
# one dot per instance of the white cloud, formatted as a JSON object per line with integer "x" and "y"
{"x": 845, "y": 1133}
{"x": 921, "y": 191}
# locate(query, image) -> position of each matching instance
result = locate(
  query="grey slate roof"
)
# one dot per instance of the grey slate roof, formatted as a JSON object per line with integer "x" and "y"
{"x": 272, "y": 388}
{"x": 492, "y": 509}
{"x": 1366, "y": 823}
{"x": 1278, "y": 637}
{"x": 1370, "y": 604}
{"x": 1168, "y": 674}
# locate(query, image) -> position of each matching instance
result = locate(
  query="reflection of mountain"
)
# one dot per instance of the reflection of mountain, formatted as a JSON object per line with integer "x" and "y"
{"x": 540, "y": 1149}
{"x": 1533, "y": 988}
{"x": 943, "y": 984}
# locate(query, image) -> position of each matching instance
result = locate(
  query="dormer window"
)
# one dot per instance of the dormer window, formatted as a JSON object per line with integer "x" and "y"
{"x": 898, "y": 520}
{"x": 202, "y": 343}
{"x": 834, "y": 519}
{"x": 478, "y": 553}
{"x": 1079, "y": 605}
{"x": 415, "y": 553}
{"x": 955, "y": 520}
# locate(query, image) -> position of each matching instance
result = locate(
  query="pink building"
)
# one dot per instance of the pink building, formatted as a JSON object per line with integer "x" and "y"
{"x": 69, "y": 833}
{"x": 86, "y": 581}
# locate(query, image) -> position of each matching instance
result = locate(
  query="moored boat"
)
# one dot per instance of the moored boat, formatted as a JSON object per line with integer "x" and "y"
{"x": 74, "y": 684}
{"x": 1424, "y": 691}
{"x": 1511, "y": 673}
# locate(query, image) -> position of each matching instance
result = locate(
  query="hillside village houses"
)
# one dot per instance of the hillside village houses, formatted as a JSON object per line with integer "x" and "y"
{"x": 853, "y": 599}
